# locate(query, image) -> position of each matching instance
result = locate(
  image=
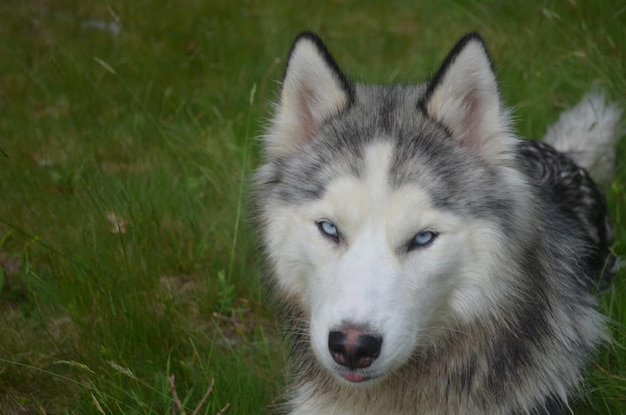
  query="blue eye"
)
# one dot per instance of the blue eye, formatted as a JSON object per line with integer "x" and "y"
{"x": 328, "y": 229}
{"x": 423, "y": 239}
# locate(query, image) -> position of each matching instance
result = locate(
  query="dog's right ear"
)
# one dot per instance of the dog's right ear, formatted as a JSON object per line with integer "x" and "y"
{"x": 313, "y": 90}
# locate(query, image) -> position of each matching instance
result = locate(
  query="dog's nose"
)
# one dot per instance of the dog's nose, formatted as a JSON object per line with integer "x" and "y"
{"x": 353, "y": 348}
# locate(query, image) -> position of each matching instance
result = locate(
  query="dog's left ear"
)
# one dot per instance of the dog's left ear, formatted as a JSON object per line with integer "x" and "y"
{"x": 464, "y": 96}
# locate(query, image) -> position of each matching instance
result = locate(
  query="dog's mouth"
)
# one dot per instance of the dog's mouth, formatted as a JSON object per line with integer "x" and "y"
{"x": 356, "y": 376}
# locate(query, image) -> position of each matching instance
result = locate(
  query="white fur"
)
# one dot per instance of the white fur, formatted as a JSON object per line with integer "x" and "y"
{"x": 587, "y": 133}
{"x": 372, "y": 279}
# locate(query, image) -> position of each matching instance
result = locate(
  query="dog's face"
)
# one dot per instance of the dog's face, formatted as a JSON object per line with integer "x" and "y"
{"x": 369, "y": 260}
{"x": 377, "y": 212}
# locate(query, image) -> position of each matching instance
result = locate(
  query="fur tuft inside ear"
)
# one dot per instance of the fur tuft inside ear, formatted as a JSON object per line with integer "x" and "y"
{"x": 313, "y": 90}
{"x": 464, "y": 96}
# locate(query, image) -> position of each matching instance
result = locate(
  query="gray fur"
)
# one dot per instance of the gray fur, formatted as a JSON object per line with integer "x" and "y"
{"x": 529, "y": 352}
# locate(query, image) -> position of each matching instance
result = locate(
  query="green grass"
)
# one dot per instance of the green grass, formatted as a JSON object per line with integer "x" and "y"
{"x": 153, "y": 128}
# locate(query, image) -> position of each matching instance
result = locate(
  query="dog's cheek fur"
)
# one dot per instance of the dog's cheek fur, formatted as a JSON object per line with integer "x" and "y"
{"x": 479, "y": 277}
{"x": 286, "y": 240}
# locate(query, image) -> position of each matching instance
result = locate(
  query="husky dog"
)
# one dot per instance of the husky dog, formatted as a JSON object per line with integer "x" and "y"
{"x": 426, "y": 260}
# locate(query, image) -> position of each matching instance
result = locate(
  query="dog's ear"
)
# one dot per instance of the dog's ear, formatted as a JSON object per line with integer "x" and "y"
{"x": 313, "y": 90}
{"x": 464, "y": 96}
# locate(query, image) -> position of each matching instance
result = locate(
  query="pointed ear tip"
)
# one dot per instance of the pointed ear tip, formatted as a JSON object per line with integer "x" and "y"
{"x": 310, "y": 38}
{"x": 307, "y": 35}
{"x": 307, "y": 42}
{"x": 473, "y": 38}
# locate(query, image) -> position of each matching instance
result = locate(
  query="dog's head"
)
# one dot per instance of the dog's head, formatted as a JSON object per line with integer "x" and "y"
{"x": 383, "y": 209}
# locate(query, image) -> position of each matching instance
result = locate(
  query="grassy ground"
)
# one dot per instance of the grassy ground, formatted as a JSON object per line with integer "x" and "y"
{"x": 126, "y": 134}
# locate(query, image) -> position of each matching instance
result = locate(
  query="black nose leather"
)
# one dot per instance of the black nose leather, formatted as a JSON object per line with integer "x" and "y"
{"x": 353, "y": 348}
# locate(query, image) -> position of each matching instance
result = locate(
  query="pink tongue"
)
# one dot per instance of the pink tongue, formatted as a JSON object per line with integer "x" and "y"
{"x": 353, "y": 377}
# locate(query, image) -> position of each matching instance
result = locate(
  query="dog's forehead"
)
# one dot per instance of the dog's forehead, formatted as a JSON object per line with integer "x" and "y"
{"x": 374, "y": 173}
{"x": 378, "y": 114}
{"x": 372, "y": 193}
{"x": 386, "y": 132}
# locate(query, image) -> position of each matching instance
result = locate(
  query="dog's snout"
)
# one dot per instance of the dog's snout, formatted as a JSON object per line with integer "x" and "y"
{"x": 353, "y": 348}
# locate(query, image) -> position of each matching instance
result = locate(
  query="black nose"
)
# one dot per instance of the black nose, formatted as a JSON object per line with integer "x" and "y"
{"x": 353, "y": 348}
